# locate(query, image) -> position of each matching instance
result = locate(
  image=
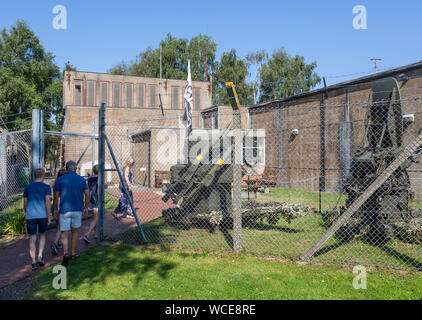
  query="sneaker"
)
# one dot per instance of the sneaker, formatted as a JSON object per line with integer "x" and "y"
{"x": 74, "y": 256}
{"x": 87, "y": 241}
{"x": 41, "y": 261}
{"x": 65, "y": 261}
{"x": 54, "y": 251}
{"x": 130, "y": 217}
{"x": 34, "y": 266}
{"x": 59, "y": 245}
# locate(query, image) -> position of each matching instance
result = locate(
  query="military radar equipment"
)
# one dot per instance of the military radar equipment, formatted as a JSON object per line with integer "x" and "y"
{"x": 383, "y": 143}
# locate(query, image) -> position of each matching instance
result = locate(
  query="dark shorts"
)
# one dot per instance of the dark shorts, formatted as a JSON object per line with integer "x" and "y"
{"x": 35, "y": 226}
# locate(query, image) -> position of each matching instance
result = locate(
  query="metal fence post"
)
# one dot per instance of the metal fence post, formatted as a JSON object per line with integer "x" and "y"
{"x": 101, "y": 175}
{"x": 237, "y": 169}
{"x": 237, "y": 183}
{"x": 93, "y": 146}
{"x": 37, "y": 141}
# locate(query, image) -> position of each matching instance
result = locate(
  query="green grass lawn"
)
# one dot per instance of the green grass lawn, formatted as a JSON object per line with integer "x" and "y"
{"x": 122, "y": 272}
{"x": 286, "y": 240}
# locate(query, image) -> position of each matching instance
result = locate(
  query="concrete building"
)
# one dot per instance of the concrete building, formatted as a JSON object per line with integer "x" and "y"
{"x": 133, "y": 104}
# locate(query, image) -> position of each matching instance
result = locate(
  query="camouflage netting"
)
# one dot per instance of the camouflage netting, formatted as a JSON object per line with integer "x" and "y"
{"x": 357, "y": 227}
{"x": 252, "y": 212}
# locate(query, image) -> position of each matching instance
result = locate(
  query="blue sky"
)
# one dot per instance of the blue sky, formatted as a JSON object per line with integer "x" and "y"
{"x": 100, "y": 34}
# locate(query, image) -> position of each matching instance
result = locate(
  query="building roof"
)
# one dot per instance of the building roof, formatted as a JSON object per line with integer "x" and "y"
{"x": 345, "y": 84}
{"x": 128, "y": 75}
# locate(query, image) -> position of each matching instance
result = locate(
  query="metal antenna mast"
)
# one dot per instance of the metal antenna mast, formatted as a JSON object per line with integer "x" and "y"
{"x": 376, "y": 61}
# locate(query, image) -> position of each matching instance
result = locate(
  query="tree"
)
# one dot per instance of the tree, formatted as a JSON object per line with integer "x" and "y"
{"x": 175, "y": 53}
{"x": 28, "y": 78}
{"x": 256, "y": 59}
{"x": 231, "y": 68}
{"x": 201, "y": 51}
{"x": 283, "y": 75}
{"x": 121, "y": 68}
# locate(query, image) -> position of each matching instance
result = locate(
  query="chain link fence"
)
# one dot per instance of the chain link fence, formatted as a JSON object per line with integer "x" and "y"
{"x": 15, "y": 172}
{"x": 334, "y": 180}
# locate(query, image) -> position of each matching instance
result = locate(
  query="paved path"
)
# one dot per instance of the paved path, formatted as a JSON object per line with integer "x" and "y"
{"x": 14, "y": 255}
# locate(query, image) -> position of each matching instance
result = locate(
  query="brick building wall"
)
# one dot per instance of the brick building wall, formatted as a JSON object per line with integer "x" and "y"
{"x": 129, "y": 108}
{"x": 297, "y": 157}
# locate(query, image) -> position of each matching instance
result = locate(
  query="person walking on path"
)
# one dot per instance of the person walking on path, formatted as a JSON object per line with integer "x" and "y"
{"x": 37, "y": 204}
{"x": 56, "y": 245}
{"x": 93, "y": 203}
{"x": 123, "y": 207}
{"x": 70, "y": 189}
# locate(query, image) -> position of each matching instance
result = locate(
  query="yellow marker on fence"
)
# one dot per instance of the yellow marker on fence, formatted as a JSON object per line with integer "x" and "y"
{"x": 200, "y": 157}
{"x": 220, "y": 162}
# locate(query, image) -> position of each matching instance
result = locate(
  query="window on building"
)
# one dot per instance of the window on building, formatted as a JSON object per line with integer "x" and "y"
{"x": 254, "y": 150}
{"x": 197, "y": 98}
{"x": 78, "y": 92}
{"x": 152, "y": 96}
{"x": 214, "y": 120}
{"x": 116, "y": 94}
{"x": 104, "y": 92}
{"x": 91, "y": 93}
{"x": 141, "y": 95}
{"x": 129, "y": 94}
{"x": 175, "y": 97}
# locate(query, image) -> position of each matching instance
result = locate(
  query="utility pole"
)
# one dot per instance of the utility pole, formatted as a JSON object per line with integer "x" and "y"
{"x": 376, "y": 61}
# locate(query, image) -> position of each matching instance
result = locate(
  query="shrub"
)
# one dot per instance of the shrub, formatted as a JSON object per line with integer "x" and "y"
{"x": 14, "y": 224}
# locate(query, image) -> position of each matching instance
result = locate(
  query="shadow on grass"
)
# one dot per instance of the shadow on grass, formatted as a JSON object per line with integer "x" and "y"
{"x": 102, "y": 267}
{"x": 156, "y": 232}
{"x": 268, "y": 227}
{"x": 402, "y": 257}
{"x": 329, "y": 248}
{"x": 227, "y": 237}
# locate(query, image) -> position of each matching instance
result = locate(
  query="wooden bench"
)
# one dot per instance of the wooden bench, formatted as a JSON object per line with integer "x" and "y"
{"x": 160, "y": 176}
{"x": 269, "y": 178}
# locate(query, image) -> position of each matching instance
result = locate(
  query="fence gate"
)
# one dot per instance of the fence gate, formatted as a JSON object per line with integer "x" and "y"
{"x": 15, "y": 164}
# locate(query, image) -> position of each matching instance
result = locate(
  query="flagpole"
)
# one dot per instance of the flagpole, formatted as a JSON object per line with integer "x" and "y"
{"x": 187, "y": 117}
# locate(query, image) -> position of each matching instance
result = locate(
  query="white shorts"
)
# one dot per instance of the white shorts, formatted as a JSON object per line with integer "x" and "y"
{"x": 70, "y": 219}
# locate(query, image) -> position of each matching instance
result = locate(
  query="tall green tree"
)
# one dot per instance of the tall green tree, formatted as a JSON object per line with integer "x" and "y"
{"x": 202, "y": 54}
{"x": 284, "y": 75}
{"x": 29, "y": 78}
{"x": 234, "y": 69}
{"x": 175, "y": 53}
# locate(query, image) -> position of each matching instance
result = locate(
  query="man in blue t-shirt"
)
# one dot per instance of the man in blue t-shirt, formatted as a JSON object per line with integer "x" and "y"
{"x": 71, "y": 189}
{"x": 37, "y": 204}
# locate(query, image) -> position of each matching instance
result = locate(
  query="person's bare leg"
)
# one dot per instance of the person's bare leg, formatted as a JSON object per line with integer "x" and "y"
{"x": 64, "y": 240}
{"x": 58, "y": 233}
{"x": 93, "y": 224}
{"x": 32, "y": 247}
{"x": 41, "y": 245}
{"x": 75, "y": 234}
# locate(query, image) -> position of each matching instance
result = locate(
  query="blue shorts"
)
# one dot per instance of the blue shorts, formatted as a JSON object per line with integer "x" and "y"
{"x": 70, "y": 219}
{"x": 35, "y": 226}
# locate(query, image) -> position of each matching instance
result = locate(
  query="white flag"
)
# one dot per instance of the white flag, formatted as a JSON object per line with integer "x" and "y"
{"x": 188, "y": 98}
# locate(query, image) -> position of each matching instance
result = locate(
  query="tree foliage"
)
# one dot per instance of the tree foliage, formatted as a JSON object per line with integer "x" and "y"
{"x": 175, "y": 53}
{"x": 28, "y": 78}
{"x": 257, "y": 77}
{"x": 255, "y": 60}
{"x": 283, "y": 75}
{"x": 234, "y": 69}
